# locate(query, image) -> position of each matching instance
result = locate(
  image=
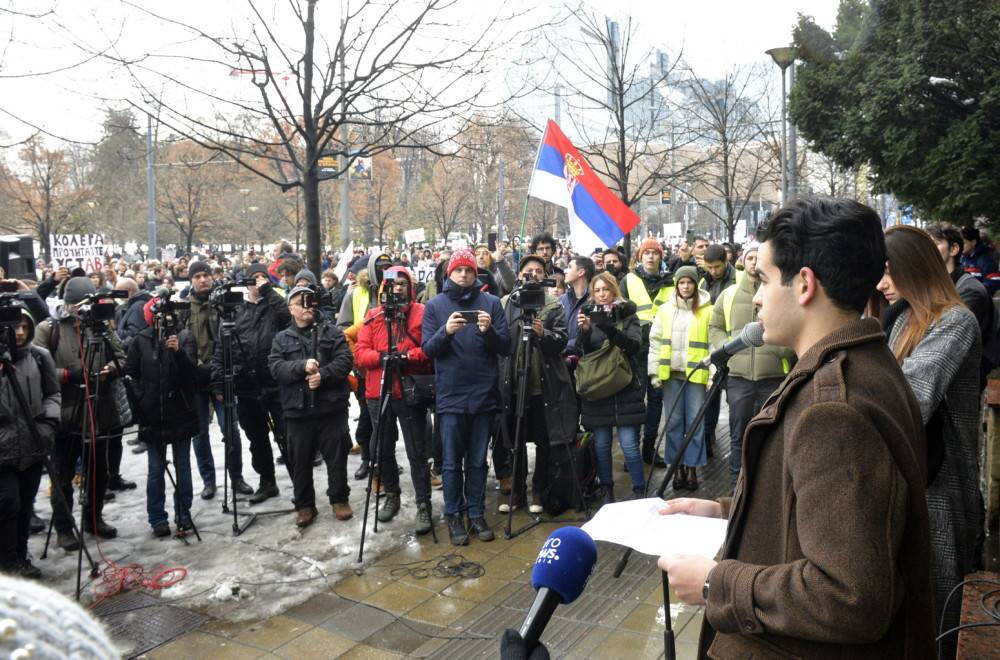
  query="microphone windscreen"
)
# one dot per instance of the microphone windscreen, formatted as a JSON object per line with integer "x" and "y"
{"x": 753, "y": 334}
{"x": 565, "y": 563}
{"x": 161, "y": 292}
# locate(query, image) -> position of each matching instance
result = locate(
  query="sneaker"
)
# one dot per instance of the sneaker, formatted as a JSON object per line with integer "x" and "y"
{"x": 208, "y": 492}
{"x": 505, "y": 507}
{"x": 457, "y": 532}
{"x": 119, "y": 483}
{"x": 505, "y": 486}
{"x": 161, "y": 530}
{"x": 390, "y": 507}
{"x": 305, "y": 517}
{"x": 103, "y": 529}
{"x": 536, "y": 503}
{"x": 436, "y": 482}
{"x": 482, "y": 530}
{"x": 36, "y": 525}
{"x": 67, "y": 541}
{"x": 342, "y": 510}
{"x": 185, "y": 525}
{"x": 242, "y": 487}
{"x": 423, "y": 524}
{"x": 267, "y": 490}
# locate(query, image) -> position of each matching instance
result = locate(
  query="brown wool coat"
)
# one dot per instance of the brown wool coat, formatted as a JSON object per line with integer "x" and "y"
{"x": 827, "y": 551}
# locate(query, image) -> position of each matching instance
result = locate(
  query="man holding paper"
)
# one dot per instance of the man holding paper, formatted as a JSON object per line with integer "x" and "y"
{"x": 827, "y": 547}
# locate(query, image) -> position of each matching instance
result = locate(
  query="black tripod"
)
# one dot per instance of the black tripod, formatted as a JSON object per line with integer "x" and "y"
{"x": 229, "y": 403}
{"x": 392, "y": 374}
{"x": 7, "y": 370}
{"x": 522, "y": 368}
{"x": 721, "y": 376}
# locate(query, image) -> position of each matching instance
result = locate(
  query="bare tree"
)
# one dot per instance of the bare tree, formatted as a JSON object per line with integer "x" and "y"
{"x": 381, "y": 78}
{"x": 443, "y": 198}
{"x": 732, "y": 123}
{"x": 190, "y": 189}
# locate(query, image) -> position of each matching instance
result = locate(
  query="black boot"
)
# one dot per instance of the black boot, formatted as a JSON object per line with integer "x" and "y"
{"x": 710, "y": 445}
{"x": 267, "y": 489}
{"x": 606, "y": 495}
{"x": 362, "y": 472}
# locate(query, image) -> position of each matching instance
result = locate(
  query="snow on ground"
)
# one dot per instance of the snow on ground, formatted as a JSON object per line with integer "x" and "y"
{"x": 223, "y": 567}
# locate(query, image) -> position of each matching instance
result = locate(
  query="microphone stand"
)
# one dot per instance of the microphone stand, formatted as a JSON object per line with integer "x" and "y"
{"x": 721, "y": 376}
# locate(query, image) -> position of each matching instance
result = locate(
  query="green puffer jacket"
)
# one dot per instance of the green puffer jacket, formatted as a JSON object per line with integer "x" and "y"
{"x": 757, "y": 363}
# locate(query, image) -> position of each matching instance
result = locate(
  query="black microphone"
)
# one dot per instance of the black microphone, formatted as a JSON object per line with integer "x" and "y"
{"x": 162, "y": 292}
{"x": 561, "y": 572}
{"x": 751, "y": 337}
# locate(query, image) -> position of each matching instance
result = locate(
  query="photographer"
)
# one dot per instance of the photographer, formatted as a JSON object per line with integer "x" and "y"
{"x": 551, "y": 414}
{"x": 258, "y": 404}
{"x": 372, "y": 354}
{"x": 610, "y": 318}
{"x": 203, "y": 321}
{"x": 161, "y": 363}
{"x": 59, "y": 336}
{"x": 314, "y": 395}
{"x": 20, "y": 458}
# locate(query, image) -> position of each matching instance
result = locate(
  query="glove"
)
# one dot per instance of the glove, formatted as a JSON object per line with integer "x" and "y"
{"x": 655, "y": 382}
{"x": 512, "y": 648}
{"x": 263, "y": 288}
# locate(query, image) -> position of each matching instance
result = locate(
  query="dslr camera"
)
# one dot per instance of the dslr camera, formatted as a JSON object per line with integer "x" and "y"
{"x": 98, "y": 308}
{"x": 604, "y": 315}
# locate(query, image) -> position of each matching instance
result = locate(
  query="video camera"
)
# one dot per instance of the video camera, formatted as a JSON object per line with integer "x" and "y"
{"x": 10, "y": 311}
{"x": 317, "y": 298}
{"x": 165, "y": 310}
{"x": 97, "y": 309}
{"x": 222, "y": 297}
{"x": 391, "y": 300}
{"x": 529, "y": 295}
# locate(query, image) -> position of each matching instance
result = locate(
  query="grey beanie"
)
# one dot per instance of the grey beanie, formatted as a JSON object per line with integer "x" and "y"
{"x": 305, "y": 274}
{"x": 77, "y": 289}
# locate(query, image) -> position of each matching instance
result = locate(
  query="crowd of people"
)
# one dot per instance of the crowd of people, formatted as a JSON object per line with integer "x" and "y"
{"x": 487, "y": 346}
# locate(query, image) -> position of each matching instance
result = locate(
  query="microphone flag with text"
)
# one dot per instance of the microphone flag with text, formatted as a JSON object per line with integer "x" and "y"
{"x": 561, "y": 572}
{"x": 751, "y": 337}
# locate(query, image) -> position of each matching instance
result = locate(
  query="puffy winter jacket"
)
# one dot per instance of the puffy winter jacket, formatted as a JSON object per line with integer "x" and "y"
{"x": 287, "y": 362}
{"x": 628, "y": 407}
{"x": 163, "y": 382}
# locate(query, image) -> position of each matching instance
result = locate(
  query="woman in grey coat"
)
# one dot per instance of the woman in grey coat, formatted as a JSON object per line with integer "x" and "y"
{"x": 936, "y": 340}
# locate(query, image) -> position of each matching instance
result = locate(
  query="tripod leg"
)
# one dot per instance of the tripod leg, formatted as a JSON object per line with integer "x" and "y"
{"x": 178, "y": 497}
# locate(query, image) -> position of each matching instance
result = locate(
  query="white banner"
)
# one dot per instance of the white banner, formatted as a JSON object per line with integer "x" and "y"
{"x": 345, "y": 257}
{"x": 672, "y": 229}
{"x": 77, "y": 250}
{"x": 414, "y": 235}
{"x": 168, "y": 254}
{"x": 425, "y": 273}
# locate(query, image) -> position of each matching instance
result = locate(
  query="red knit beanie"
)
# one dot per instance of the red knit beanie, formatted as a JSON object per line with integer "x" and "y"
{"x": 147, "y": 311}
{"x": 462, "y": 257}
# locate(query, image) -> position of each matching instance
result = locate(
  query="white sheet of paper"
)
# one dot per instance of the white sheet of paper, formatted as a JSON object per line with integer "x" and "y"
{"x": 638, "y": 525}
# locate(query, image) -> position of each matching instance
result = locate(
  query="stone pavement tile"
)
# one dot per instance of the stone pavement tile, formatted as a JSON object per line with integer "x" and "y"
{"x": 225, "y": 627}
{"x": 590, "y": 639}
{"x": 192, "y": 646}
{"x": 430, "y": 647}
{"x": 468, "y": 621}
{"x": 441, "y": 610}
{"x": 271, "y": 633}
{"x": 236, "y": 651}
{"x": 526, "y": 547}
{"x": 476, "y": 589}
{"x": 626, "y": 644}
{"x": 509, "y": 567}
{"x": 316, "y": 643}
{"x": 318, "y": 609}
{"x": 359, "y": 587}
{"x": 402, "y": 636}
{"x": 689, "y": 629}
{"x": 365, "y": 652}
{"x": 398, "y": 597}
{"x": 358, "y": 622}
{"x": 643, "y": 619}
{"x": 686, "y": 650}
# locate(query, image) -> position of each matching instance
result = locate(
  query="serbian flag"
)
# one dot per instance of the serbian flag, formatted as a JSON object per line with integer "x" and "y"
{"x": 563, "y": 177}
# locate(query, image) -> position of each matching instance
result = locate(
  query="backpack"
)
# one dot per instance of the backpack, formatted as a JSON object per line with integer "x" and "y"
{"x": 561, "y": 492}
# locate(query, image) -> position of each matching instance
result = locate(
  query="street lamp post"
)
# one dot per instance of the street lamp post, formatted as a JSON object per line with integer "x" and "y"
{"x": 245, "y": 192}
{"x": 253, "y": 209}
{"x": 783, "y": 57}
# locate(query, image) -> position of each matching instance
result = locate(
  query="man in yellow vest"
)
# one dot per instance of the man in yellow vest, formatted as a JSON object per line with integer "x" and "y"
{"x": 648, "y": 288}
{"x": 753, "y": 374}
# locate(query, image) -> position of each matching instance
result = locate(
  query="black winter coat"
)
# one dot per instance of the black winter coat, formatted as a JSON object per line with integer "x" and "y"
{"x": 132, "y": 319}
{"x": 256, "y": 326}
{"x": 36, "y": 374}
{"x": 163, "y": 384}
{"x": 289, "y": 352}
{"x": 628, "y": 407}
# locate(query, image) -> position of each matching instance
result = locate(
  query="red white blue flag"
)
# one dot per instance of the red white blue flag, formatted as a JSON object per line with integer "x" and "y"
{"x": 563, "y": 177}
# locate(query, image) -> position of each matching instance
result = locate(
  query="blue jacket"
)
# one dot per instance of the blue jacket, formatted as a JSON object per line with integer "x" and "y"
{"x": 981, "y": 265}
{"x": 466, "y": 371}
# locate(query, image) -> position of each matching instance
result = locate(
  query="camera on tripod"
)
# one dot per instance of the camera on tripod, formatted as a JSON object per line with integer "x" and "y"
{"x": 222, "y": 297}
{"x": 10, "y": 310}
{"x": 529, "y": 295}
{"x": 96, "y": 308}
{"x": 166, "y": 311}
{"x": 391, "y": 300}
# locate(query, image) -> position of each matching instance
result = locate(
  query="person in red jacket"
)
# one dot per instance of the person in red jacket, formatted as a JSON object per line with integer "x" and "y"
{"x": 373, "y": 354}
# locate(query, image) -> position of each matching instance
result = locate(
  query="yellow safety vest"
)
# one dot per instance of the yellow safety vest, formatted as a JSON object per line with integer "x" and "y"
{"x": 698, "y": 344}
{"x": 728, "y": 296}
{"x": 645, "y": 308}
{"x": 359, "y": 304}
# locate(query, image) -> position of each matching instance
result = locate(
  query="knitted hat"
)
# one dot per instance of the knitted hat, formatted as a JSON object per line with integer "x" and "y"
{"x": 198, "y": 267}
{"x": 530, "y": 257}
{"x": 650, "y": 244}
{"x": 461, "y": 257}
{"x": 78, "y": 288}
{"x": 751, "y": 247}
{"x": 253, "y": 269}
{"x": 689, "y": 272}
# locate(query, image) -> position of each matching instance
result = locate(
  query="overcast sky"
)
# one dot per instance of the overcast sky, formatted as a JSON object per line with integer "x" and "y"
{"x": 713, "y": 34}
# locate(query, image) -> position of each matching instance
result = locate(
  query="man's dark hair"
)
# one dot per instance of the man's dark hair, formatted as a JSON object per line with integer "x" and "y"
{"x": 289, "y": 267}
{"x": 715, "y": 253}
{"x": 544, "y": 237}
{"x": 587, "y": 264}
{"x": 285, "y": 247}
{"x": 942, "y": 231}
{"x": 699, "y": 238}
{"x": 615, "y": 251}
{"x": 971, "y": 234}
{"x": 839, "y": 239}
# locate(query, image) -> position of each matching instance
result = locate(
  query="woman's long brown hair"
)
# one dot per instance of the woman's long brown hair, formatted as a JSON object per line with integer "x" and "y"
{"x": 920, "y": 276}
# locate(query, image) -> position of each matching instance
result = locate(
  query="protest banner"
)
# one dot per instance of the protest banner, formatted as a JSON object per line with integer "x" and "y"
{"x": 414, "y": 235}
{"x": 84, "y": 251}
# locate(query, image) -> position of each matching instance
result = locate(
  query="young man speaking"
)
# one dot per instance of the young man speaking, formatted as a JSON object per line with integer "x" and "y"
{"x": 827, "y": 549}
